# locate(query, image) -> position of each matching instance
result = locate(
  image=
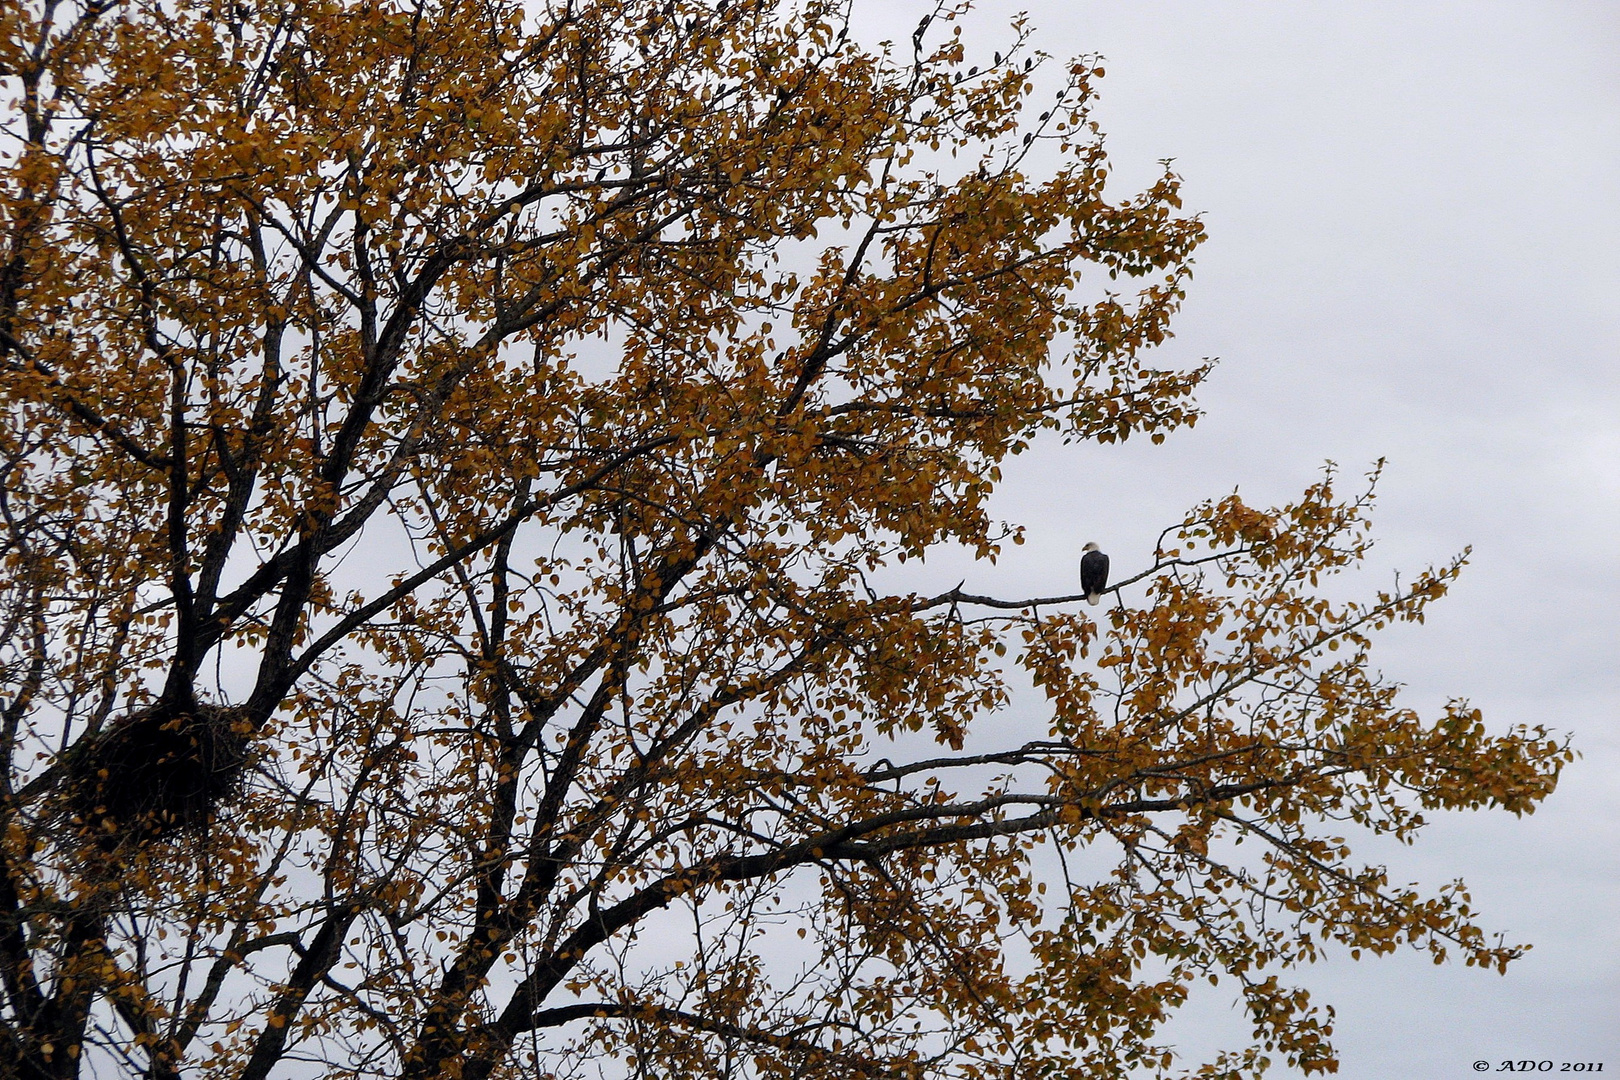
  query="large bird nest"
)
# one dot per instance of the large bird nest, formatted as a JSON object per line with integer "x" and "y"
{"x": 157, "y": 772}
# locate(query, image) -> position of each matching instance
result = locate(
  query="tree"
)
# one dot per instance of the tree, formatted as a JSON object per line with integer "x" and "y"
{"x": 451, "y": 453}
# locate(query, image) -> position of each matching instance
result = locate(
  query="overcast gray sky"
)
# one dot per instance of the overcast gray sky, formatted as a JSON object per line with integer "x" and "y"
{"x": 1414, "y": 212}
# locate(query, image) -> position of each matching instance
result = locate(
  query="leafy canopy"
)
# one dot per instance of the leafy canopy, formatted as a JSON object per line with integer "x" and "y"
{"x": 450, "y": 453}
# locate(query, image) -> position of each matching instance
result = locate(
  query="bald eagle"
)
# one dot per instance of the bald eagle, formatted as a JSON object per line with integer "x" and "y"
{"x": 1093, "y": 573}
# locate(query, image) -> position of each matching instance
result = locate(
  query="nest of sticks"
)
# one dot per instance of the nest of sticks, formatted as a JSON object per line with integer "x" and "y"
{"x": 158, "y": 772}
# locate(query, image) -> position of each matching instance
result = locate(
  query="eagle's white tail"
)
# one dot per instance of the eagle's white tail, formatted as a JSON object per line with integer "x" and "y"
{"x": 1092, "y": 598}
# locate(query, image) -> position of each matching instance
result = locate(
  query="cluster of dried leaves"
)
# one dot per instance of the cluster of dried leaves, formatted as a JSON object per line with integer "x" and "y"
{"x": 449, "y": 453}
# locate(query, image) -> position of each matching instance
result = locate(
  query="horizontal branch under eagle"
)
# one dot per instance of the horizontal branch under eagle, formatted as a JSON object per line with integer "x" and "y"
{"x": 957, "y": 596}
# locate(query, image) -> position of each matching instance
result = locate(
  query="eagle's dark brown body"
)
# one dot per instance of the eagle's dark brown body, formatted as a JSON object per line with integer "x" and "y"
{"x": 1093, "y": 574}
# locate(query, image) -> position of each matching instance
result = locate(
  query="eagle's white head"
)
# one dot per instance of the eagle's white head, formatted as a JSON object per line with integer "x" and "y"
{"x": 1091, "y": 546}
